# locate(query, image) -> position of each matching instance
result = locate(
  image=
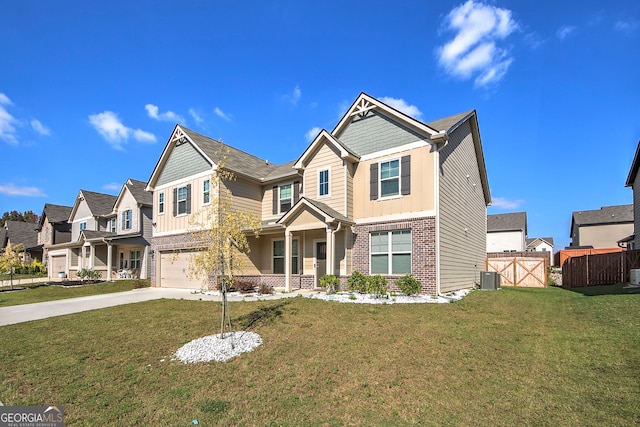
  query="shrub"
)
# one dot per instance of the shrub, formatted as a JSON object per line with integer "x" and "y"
{"x": 265, "y": 289}
{"x": 89, "y": 274}
{"x": 377, "y": 285}
{"x": 409, "y": 285}
{"x": 329, "y": 283}
{"x": 244, "y": 287}
{"x": 357, "y": 282}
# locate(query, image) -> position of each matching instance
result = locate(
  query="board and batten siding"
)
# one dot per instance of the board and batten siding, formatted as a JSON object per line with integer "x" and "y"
{"x": 326, "y": 158}
{"x": 375, "y": 132}
{"x": 183, "y": 162}
{"x": 462, "y": 213}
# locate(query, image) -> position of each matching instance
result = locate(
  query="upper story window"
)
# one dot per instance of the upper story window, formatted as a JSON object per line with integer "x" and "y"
{"x": 182, "y": 200}
{"x": 83, "y": 225}
{"x": 206, "y": 191}
{"x": 286, "y": 197}
{"x": 161, "y": 203}
{"x": 126, "y": 219}
{"x": 390, "y": 178}
{"x": 111, "y": 225}
{"x": 323, "y": 182}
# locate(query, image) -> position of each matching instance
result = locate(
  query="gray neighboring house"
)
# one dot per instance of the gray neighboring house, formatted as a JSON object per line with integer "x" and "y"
{"x": 601, "y": 228}
{"x": 24, "y": 233}
{"x": 507, "y": 232}
{"x": 53, "y": 228}
{"x": 633, "y": 240}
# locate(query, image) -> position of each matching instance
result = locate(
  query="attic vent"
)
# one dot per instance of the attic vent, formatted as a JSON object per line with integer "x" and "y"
{"x": 181, "y": 140}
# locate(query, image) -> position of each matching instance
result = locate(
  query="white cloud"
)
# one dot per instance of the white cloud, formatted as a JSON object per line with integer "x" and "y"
{"x": 402, "y": 106}
{"x": 502, "y": 203}
{"x": 293, "y": 97}
{"x": 168, "y": 116}
{"x": 14, "y": 190}
{"x": 312, "y": 133}
{"x": 4, "y": 99}
{"x": 108, "y": 125}
{"x": 113, "y": 186}
{"x": 7, "y": 128}
{"x": 626, "y": 26}
{"x": 41, "y": 129}
{"x": 222, "y": 114}
{"x": 195, "y": 116}
{"x": 474, "y": 51}
{"x": 564, "y": 31}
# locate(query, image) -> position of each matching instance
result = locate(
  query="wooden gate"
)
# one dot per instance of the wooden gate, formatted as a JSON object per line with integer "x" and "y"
{"x": 520, "y": 271}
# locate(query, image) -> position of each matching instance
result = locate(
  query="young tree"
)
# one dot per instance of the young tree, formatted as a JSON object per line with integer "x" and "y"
{"x": 10, "y": 259}
{"x": 220, "y": 231}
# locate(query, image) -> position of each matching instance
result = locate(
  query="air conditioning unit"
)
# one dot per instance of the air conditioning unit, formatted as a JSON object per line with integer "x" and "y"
{"x": 489, "y": 280}
{"x": 634, "y": 277}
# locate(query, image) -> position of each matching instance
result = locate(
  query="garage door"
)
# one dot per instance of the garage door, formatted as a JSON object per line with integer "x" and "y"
{"x": 174, "y": 271}
{"x": 58, "y": 264}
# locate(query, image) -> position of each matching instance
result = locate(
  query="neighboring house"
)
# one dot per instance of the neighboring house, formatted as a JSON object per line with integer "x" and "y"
{"x": 601, "y": 228}
{"x": 541, "y": 244}
{"x": 109, "y": 234}
{"x": 382, "y": 193}
{"x": 507, "y": 232}
{"x": 53, "y": 228}
{"x": 25, "y": 234}
{"x": 632, "y": 241}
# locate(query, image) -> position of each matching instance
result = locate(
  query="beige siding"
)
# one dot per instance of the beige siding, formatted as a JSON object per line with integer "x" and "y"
{"x": 82, "y": 214}
{"x": 420, "y": 200}
{"x": 127, "y": 201}
{"x": 604, "y": 236}
{"x": 462, "y": 213}
{"x": 326, "y": 158}
{"x": 267, "y": 199}
{"x": 246, "y": 195}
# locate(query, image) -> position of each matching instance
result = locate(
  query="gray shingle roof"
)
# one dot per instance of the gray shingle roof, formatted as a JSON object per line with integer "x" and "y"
{"x": 3, "y": 238}
{"x": 237, "y": 161}
{"x": 24, "y": 233}
{"x": 55, "y": 213}
{"x": 529, "y": 241}
{"x": 137, "y": 190}
{"x": 507, "y": 222}
{"x": 90, "y": 234}
{"x": 447, "y": 123}
{"x": 100, "y": 204}
{"x": 327, "y": 209}
{"x": 604, "y": 215}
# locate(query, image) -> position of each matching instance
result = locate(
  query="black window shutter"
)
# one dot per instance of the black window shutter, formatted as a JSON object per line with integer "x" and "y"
{"x": 175, "y": 201}
{"x": 275, "y": 200}
{"x": 296, "y": 191}
{"x": 405, "y": 177}
{"x": 188, "y": 198}
{"x": 373, "y": 181}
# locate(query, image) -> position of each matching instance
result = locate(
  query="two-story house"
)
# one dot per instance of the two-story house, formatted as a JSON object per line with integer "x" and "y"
{"x": 382, "y": 193}
{"x": 22, "y": 233}
{"x": 601, "y": 228}
{"x": 109, "y": 234}
{"x": 507, "y": 232}
{"x": 53, "y": 228}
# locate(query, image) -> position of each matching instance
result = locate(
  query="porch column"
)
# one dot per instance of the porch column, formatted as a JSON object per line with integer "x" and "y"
{"x": 92, "y": 254}
{"x": 83, "y": 257}
{"x": 109, "y": 259}
{"x": 329, "y": 250}
{"x": 287, "y": 259}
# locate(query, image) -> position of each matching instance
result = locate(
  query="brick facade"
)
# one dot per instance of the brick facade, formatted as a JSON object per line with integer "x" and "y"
{"x": 423, "y": 249}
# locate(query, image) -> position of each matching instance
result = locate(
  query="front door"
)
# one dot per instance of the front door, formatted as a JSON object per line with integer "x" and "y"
{"x": 321, "y": 261}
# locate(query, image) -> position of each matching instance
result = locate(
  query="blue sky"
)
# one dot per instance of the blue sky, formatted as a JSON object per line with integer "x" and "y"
{"x": 90, "y": 92}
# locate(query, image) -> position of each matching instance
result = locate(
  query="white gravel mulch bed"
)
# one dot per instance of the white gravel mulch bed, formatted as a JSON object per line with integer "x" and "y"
{"x": 357, "y": 298}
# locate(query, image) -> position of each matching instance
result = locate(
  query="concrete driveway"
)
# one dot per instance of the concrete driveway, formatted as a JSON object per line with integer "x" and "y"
{"x": 42, "y": 310}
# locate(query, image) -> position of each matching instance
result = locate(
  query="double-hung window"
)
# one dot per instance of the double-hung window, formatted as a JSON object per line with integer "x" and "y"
{"x": 206, "y": 192}
{"x": 161, "y": 203}
{"x": 126, "y": 219}
{"x": 323, "y": 182}
{"x": 278, "y": 256}
{"x": 83, "y": 225}
{"x": 135, "y": 259}
{"x": 391, "y": 252}
{"x": 286, "y": 197}
{"x": 112, "y": 225}
{"x": 182, "y": 200}
{"x": 390, "y": 178}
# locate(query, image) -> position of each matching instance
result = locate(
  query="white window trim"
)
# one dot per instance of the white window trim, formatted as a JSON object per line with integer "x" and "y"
{"x": 178, "y": 201}
{"x": 390, "y": 253}
{"x": 328, "y": 170}
{"x": 390, "y": 196}
{"x": 205, "y": 192}
{"x": 163, "y": 204}
{"x": 290, "y": 184}
{"x": 275, "y": 239}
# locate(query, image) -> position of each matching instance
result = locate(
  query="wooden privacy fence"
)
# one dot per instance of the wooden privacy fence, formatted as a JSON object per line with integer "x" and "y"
{"x": 599, "y": 269}
{"x": 526, "y": 271}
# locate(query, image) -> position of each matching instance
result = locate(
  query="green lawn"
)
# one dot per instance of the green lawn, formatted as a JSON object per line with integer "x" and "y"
{"x": 548, "y": 357}
{"x": 41, "y": 293}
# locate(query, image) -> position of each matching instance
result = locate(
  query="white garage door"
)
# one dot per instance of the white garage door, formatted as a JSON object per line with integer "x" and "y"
{"x": 58, "y": 264}
{"x": 174, "y": 271}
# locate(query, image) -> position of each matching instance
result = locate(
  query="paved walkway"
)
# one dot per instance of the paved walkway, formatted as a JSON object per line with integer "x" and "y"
{"x": 42, "y": 310}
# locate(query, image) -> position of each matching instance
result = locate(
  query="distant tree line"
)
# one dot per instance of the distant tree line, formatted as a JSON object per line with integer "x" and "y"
{"x": 26, "y": 216}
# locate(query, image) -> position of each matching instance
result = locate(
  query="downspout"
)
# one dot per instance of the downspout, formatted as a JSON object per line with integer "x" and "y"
{"x": 440, "y": 139}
